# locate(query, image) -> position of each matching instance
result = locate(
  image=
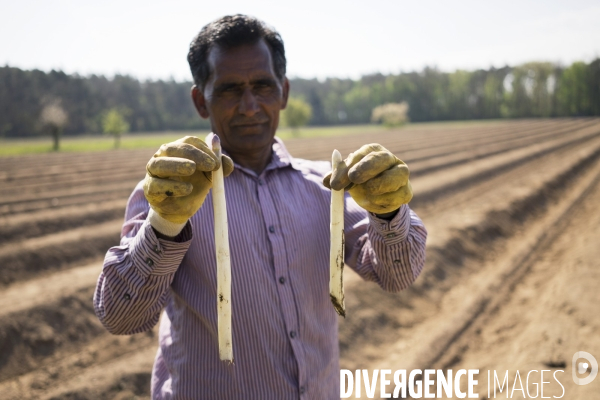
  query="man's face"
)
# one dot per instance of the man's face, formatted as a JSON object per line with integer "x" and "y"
{"x": 242, "y": 97}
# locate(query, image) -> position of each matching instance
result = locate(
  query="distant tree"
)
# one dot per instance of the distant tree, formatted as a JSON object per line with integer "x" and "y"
{"x": 53, "y": 119}
{"x": 594, "y": 86}
{"x": 296, "y": 114}
{"x": 574, "y": 90}
{"x": 521, "y": 91}
{"x": 114, "y": 123}
{"x": 391, "y": 114}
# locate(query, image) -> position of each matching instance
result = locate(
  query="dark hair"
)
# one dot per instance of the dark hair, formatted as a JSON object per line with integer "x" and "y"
{"x": 229, "y": 32}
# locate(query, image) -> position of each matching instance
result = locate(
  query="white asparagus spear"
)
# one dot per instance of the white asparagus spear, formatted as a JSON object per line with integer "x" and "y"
{"x": 223, "y": 259}
{"x": 336, "y": 253}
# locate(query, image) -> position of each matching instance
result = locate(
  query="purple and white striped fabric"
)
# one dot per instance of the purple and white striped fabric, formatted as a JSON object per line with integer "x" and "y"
{"x": 284, "y": 326}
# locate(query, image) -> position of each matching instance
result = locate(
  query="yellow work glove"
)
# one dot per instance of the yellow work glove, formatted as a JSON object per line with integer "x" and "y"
{"x": 375, "y": 178}
{"x": 178, "y": 178}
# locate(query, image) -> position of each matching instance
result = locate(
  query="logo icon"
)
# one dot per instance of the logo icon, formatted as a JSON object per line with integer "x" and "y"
{"x": 582, "y": 367}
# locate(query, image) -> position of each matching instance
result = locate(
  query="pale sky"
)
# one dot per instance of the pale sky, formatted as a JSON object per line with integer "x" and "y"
{"x": 149, "y": 39}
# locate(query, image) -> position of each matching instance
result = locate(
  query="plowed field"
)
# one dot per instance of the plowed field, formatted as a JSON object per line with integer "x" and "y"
{"x": 511, "y": 281}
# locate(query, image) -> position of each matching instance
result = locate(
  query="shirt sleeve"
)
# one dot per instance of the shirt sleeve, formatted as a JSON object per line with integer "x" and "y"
{"x": 136, "y": 276}
{"x": 390, "y": 253}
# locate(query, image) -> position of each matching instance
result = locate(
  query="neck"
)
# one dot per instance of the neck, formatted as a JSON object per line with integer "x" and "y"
{"x": 256, "y": 161}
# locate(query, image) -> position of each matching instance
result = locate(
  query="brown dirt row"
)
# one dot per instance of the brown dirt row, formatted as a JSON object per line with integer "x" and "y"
{"x": 546, "y": 315}
{"x": 48, "y": 288}
{"x": 461, "y": 155}
{"x": 416, "y": 146}
{"x": 84, "y": 195}
{"x": 53, "y": 252}
{"x": 43, "y": 354}
{"x": 68, "y": 171}
{"x": 428, "y": 315}
{"x": 54, "y": 201}
{"x": 416, "y": 149}
{"x": 425, "y": 145}
{"x": 111, "y": 367}
{"x": 23, "y": 260}
{"x": 530, "y": 308}
{"x": 124, "y": 378}
{"x": 20, "y": 201}
{"x": 37, "y": 333}
{"x": 66, "y": 181}
{"x": 55, "y": 163}
{"x": 58, "y": 192}
{"x": 26, "y": 173}
{"x": 413, "y": 137}
{"x": 73, "y": 380}
{"x": 15, "y": 228}
{"x": 509, "y": 273}
{"x": 482, "y": 169}
{"x": 368, "y": 318}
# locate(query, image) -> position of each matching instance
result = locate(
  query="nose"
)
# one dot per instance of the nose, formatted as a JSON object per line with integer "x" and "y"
{"x": 248, "y": 103}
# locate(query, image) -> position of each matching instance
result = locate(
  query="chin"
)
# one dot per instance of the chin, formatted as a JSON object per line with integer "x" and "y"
{"x": 250, "y": 138}
{"x": 254, "y": 132}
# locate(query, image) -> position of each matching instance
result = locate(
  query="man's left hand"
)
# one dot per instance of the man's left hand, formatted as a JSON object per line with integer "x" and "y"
{"x": 375, "y": 178}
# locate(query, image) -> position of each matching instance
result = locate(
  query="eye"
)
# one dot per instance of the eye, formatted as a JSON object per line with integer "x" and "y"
{"x": 228, "y": 89}
{"x": 264, "y": 89}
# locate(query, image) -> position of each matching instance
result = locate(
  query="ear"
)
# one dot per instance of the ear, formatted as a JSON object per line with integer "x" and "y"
{"x": 199, "y": 102}
{"x": 286, "y": 92}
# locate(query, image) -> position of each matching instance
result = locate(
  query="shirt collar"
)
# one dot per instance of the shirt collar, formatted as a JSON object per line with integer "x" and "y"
{"x": 280, "y": 158}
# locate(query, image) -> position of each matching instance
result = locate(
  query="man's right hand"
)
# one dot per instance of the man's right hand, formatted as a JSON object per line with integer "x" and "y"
{"x": 179, "y": 176}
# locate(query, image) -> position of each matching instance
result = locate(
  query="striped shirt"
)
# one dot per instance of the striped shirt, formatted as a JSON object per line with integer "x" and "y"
{"x": 285, "y": 328}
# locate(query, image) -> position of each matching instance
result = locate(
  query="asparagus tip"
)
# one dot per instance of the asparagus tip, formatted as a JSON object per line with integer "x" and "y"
{"x": 336, "y": 157}
{"x": 216, "y": 143}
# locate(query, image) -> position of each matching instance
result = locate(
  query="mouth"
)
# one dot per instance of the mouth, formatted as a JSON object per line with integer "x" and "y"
{"x": 248, "y": 124}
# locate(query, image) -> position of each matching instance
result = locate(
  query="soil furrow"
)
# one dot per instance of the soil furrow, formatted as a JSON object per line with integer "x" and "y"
{"x": 82, "y": 196}
{"x": 410, "y": 140}
{"x": 429, "y": 188}
{"x": 56, "y": 163}
{"x": 441, "y": 342}
{"x": 490, "y": 221}
{"x": 118, "y": 368}
{"x": 490, "y": 300}
{"x": 22, "y": 202}
{"x": 76, "y": 173}
{"x": 45, "y": 222}
{"x": 412, "y": 147}
{"x": 547, "y": 315}
{"x": 45, "y": 253}
{"x": 456, "y": 254}
{"x": 29, "y": 258}
{"x": 53, "y": 252}
{"x": 98, "y": 370}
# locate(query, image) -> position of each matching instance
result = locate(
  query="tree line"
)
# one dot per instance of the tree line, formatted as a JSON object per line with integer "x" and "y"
{"x": 533, "y": 89}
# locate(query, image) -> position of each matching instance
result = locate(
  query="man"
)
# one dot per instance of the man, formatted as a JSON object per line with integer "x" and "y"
{"x": 284, "y": 325}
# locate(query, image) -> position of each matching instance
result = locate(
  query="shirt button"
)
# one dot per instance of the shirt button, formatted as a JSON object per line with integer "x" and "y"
{"x": 390, "y": 235}
{"x": 293, "y": 334}
{"x": 272, "y": 229}
{"x": 282, "y": 280}
{"x": 260, "y": 182}
{"x": 397, "y": 261}
{"x": 156, "y": 249}
{"x": 302, "y": 389}
{"x": 149, "y": 262}
{"x": 127, "y": 297}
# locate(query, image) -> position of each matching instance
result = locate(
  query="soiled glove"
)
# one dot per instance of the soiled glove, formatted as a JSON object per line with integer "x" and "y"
{"x": 178, "y": 178}
{"x": 375, "y": 178}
